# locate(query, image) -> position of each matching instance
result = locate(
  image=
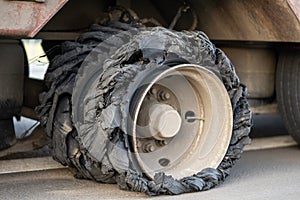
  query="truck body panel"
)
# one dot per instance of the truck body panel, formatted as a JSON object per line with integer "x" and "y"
{"x": 250, "y": 20}
{"x": 24, "y": 19}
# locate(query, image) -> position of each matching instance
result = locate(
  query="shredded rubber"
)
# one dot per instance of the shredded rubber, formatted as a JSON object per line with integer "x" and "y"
{"x": 86, "y": 108}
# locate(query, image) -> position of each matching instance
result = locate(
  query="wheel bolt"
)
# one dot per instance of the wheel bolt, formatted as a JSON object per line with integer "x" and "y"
{"x": 162, "y": 142}
{"x": 138, "y": 143}
{"x": 153, "y": 90}
{"x": 148, "y": 147}
{"x": 164, "y": 96}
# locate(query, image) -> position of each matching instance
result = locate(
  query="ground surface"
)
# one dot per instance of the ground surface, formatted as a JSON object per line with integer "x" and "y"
{"x": 261, "y": 174}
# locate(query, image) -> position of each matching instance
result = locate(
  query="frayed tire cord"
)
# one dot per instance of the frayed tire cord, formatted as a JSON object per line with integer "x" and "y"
{"x": 73, "y": 141}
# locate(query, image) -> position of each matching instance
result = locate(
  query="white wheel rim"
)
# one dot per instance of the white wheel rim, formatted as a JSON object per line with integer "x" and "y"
{"x": 212, "y": 127}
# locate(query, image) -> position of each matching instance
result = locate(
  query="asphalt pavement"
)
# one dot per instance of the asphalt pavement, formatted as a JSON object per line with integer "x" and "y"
{"x": 260, "y": 174}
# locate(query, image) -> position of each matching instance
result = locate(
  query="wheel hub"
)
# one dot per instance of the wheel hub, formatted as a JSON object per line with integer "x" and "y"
{"x": 162, "y": 120}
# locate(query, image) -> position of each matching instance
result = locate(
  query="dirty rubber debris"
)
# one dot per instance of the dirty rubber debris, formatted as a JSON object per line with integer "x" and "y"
{"x": 85, "y": 110}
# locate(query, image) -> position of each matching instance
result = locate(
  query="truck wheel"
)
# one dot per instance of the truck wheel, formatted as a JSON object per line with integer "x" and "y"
{"x": 7, "y": 134}
{"x": 11, "y": 87}
{"x": 159, "y": 111}
{"x": 288, "y": 91}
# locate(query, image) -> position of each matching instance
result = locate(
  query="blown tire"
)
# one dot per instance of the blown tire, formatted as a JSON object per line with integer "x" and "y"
{"x": 92, "y": 114}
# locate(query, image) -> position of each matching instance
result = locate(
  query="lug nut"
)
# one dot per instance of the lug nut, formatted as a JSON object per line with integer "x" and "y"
{"x": 148, "y": 147}
{"x": 138, "y": 143}
{"x": 161, "y": 142}
{"x": 153, "y": 90}
{"x": 164, "y": 96}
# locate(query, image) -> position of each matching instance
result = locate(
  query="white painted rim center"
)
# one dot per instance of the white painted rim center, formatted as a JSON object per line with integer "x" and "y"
{"x": 165, "y": 121}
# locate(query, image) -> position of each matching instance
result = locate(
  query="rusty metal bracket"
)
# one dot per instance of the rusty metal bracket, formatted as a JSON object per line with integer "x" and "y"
{"x": 37, "y": 1}
{"x": 295, "y": 6}
{"x": 24, "y": 18}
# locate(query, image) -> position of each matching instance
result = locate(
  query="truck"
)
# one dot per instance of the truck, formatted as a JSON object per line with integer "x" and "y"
{"x": 151, "y": 94}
